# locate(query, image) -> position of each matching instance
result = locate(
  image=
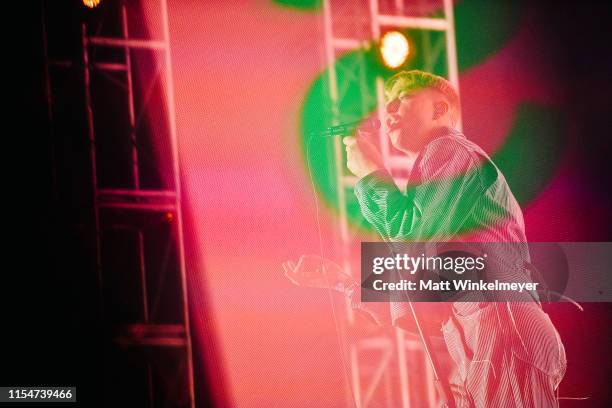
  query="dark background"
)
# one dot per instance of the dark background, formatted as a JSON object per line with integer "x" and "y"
{"x": 51, "y": 331}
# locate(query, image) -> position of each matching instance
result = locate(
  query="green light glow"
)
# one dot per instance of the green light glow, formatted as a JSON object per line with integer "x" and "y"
{"x": 482, "y": 28}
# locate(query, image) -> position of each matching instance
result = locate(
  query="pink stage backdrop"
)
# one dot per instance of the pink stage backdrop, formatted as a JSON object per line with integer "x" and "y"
{"x": 241, "y": 73}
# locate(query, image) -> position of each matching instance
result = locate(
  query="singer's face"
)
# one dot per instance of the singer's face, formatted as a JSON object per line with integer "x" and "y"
{"x": 407, "y": 118}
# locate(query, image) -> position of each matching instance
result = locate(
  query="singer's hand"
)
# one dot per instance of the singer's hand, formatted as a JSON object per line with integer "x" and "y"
{"x": 362, "y": 157}
{"x": 317, "y": 272}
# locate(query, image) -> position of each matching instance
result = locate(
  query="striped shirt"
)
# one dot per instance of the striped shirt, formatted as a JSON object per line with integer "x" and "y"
{"x": 455, "y": 193}
{"x": 506, "y": 354}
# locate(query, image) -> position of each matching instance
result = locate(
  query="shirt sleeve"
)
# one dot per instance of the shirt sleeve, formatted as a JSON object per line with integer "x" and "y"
{"x": 437, "y": 208}
{"x": 434, "y": 209}
{"x": 382, "y": 204}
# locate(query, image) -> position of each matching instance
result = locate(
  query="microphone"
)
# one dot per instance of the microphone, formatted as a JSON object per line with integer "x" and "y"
{"x": 370, "y": 125}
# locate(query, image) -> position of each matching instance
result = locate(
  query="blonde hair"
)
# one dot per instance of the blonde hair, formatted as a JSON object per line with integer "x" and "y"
{"x": 415, "y": 80}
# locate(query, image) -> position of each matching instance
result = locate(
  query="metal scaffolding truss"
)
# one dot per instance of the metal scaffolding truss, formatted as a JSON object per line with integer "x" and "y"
{"x": 137, "y": 200}
{"x": 348, "y": 25}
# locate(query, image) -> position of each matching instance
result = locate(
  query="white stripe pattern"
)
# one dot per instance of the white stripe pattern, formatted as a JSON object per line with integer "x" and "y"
{"x": 507, "y": 354}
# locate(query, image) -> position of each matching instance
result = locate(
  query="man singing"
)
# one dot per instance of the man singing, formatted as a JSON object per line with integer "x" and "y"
{"x": 506, "y": 351}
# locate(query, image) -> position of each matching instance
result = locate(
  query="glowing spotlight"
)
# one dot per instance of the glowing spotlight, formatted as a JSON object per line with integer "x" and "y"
{"x": 394, "y": 48}
{"x": 91, "y": 3}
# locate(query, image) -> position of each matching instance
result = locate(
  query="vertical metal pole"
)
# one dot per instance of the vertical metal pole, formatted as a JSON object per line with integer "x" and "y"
{"x": 374, "y": 20}
{"x": 333, "y": 92}
{"x": 385, "y": 150}
{"x": 130, "y": 96}
{"x": 143, "y": 277}
{"x": 429, "y": 378}
{"x": 93, "y": 162}
{"x": 331, "y": 59}
{"x": 136, "y": 181}
{"x": 388, "y": 390}
{"x": 429, "y": 60}
{"x": 355, "y": 375}
{"x": 451, "y": 54}
{"x": 403, "y": 367}
{"x": 342, "y": 222}
{"x": 177, "y": 186}
{"x": 382, "y": 132}
{"x": 399, "y": 5}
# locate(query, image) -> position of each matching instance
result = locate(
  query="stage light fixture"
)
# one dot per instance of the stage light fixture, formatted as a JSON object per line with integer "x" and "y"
{"x": 91, "y": 3}
{"x": 394, "y": 49}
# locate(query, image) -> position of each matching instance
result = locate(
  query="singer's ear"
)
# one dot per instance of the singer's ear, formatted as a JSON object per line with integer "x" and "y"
{"x": 440, "y": 109}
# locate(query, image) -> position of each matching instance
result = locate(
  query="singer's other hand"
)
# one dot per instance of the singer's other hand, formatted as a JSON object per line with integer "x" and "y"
{"x": 362, "y": 157}
{"x": 317, "y": 272}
